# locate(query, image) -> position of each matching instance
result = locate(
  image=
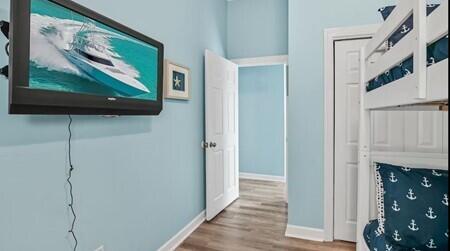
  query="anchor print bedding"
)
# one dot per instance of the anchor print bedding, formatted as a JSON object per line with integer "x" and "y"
{"x": 413, "y": 210}
{"x": 436, "y": 52}
{"x": 407, "y": 26}
{"x": 376, "y": 241}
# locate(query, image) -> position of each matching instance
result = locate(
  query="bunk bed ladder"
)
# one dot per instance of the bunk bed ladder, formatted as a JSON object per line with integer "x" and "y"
{"x": 420, "y": 47}
{"x": 364, "y": 161}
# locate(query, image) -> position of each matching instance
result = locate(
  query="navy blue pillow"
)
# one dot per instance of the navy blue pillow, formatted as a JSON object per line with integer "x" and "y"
{"x": 415, "y": 207}
{"x": 406, "y": 27}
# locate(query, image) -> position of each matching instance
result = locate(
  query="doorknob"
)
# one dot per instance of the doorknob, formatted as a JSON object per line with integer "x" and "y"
{"x": 205, "y": 145}
{"x": 213, "y": 144}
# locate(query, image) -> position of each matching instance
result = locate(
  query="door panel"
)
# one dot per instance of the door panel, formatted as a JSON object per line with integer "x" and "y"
{"x": 218, "y": 191}
{"x": 352, "y": 194}
{"x": 222, "y": 184}
{"x": 218, "y": 111}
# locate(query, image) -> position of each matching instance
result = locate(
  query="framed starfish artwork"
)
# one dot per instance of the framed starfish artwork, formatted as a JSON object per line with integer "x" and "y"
{"x": 177, "y": 81}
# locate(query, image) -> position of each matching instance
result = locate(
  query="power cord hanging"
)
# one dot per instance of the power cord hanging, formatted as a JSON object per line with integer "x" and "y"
{"x": 71, "y": 205}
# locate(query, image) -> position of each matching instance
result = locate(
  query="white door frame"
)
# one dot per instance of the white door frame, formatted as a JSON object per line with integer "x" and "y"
{"x": 268, "y": 61}
{"x": 330, "y": 37}
{"x": 261, "y": 61}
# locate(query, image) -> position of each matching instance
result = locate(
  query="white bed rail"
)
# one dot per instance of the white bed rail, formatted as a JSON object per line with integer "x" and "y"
{"x": 412, "y": 89}
{"x": 437, "y": 23}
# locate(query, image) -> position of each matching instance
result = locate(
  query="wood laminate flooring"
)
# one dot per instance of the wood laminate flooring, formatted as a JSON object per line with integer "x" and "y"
{"x": 256, "y": 221}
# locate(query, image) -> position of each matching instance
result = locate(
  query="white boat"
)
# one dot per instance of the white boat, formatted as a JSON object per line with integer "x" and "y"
{"x": 91, "y": 59}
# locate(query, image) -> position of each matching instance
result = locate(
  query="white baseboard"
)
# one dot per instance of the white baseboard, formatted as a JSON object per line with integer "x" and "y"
{"x": 254, "y": 176}
{"x": 305, "y": 233}
{"x": 176, "y": 240}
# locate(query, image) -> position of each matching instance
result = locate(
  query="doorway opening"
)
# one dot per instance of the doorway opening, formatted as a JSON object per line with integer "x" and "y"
{"x": 263, "y": 107}
{"x": 263, "y": 91}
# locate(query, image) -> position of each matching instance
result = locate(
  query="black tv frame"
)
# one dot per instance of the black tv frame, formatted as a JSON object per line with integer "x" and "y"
{"x": 23, "y": 100}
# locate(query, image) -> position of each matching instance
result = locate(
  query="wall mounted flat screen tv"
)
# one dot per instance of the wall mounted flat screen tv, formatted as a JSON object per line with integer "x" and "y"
{"x": 68, "y": 59}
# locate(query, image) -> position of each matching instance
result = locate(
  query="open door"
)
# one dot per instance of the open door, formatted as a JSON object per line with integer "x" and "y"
{"x": 221, "y": 125}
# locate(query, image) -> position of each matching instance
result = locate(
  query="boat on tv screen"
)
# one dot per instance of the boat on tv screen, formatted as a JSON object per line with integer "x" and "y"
{"x": 75, "y": 54}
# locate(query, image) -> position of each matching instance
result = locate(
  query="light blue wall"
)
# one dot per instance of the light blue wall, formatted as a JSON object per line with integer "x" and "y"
{"x": 261, "y": 120}
{"x": 138, "y": 181}
{"x": 307, "y": 21}
{"x": 257, "y": 28}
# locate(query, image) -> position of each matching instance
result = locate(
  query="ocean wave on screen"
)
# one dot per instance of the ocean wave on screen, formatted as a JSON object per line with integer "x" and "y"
{"x": 51, "y": 36}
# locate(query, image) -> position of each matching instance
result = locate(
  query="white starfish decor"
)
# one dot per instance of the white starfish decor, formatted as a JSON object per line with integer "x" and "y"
{"x": 177, "y": 82}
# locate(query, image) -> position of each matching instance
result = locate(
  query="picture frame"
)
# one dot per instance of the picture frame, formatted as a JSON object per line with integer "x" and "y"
{"x": 177, "y": 81}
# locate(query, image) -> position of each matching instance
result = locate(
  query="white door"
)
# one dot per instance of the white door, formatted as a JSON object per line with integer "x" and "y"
{"x": 347, "y": 78}
{"x": 221, "y": 123}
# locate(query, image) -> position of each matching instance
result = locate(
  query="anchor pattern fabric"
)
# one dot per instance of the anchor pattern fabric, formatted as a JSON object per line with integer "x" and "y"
{"x": 376, "y": 241}
{"x": 437, "y": 51}
{"x": 407, "y": 26}
{"x": 415, "y": 208}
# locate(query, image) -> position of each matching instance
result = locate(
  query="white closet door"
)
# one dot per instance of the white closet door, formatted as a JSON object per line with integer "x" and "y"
{"x": 424, "y": 132}
{"x": 388, "y": 131}
{"x": 347, "y": 77}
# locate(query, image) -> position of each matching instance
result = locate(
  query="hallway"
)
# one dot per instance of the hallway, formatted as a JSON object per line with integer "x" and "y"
{"x": 257, "y": 221}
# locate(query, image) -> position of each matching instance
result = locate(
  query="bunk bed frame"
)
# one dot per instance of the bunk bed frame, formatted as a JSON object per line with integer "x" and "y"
{"x": 425, "y": 89}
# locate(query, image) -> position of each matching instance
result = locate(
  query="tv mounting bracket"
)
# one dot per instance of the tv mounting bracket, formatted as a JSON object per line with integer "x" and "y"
{"x": 4, "y": 27}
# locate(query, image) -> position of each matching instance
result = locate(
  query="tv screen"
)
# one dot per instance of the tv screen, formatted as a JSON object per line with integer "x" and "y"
{"x": 67, "y": 59}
